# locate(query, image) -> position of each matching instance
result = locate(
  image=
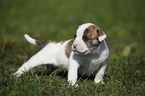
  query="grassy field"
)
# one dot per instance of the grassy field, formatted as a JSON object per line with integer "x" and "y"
{"x": 122, "y": 20}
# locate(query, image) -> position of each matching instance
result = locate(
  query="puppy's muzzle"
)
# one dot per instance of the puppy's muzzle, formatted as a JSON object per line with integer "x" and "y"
{"x": 75, "y": 49}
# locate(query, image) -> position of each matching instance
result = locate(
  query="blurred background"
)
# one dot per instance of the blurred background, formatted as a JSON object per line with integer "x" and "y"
{"x": 122, "y": 20}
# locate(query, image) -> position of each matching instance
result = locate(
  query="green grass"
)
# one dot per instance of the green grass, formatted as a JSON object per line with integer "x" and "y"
{"x": 122, "y": 20}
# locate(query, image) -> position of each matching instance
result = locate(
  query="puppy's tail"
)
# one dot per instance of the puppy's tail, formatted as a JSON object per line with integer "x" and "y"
{"x": 34, "y": 41}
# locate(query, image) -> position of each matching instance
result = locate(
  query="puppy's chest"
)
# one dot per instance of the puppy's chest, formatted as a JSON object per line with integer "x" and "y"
{"x": 89, "y": 64}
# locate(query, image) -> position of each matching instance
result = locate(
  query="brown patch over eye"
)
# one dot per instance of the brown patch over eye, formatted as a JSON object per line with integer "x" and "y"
{"x": 93, "y": 27}
{"x": 85, "y": 38}
{"x": 100, "y": 32}
{"x": 91, "y": 36}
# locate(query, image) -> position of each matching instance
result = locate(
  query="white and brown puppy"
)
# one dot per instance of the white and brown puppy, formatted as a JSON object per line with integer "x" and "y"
{"x": 86, "y": 54}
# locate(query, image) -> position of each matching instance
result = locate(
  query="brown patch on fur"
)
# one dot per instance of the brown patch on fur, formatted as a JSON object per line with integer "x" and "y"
{"x": 68, "y": 48}
{"x": 92, "y": 33}
{"x": 61, "y": 42}
{"x": 42, "y": 42}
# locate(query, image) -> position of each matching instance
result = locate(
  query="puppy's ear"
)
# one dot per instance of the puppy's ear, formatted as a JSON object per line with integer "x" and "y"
{"x": 101, "y": 35}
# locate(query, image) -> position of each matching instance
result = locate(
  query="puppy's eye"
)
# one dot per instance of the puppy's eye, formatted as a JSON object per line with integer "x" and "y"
{"x": 85, "y": 38}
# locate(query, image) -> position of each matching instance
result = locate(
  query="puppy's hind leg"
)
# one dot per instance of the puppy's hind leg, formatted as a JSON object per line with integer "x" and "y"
{"x": 38, "y": 59}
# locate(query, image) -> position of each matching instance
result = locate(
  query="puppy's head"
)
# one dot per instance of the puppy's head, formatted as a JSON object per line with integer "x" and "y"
{"x": 88, "y": 36}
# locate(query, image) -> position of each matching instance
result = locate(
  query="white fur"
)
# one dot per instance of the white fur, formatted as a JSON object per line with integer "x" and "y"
{"x": 54, "y": 53}
{"x": 101, "y": 38}
{"x": 29, "y": 39}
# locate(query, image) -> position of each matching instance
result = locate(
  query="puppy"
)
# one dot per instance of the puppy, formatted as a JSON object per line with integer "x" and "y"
{"x": 85, "y": 54}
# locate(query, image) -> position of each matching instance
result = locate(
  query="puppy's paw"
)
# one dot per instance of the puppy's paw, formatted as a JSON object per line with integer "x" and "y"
{"x": 17, "y": 75}
{"x": 102, "y": 82}
{"x": 99, "y": 81}
{"x": 76, "y": 85}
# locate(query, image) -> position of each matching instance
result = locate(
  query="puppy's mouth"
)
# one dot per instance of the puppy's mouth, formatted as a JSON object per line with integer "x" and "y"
{"x": 81, "y": 53}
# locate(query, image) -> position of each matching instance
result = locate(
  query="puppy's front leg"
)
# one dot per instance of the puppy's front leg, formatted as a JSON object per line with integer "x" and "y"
{"x": 72, "y": 71}
{"x": 100, "y": 74}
